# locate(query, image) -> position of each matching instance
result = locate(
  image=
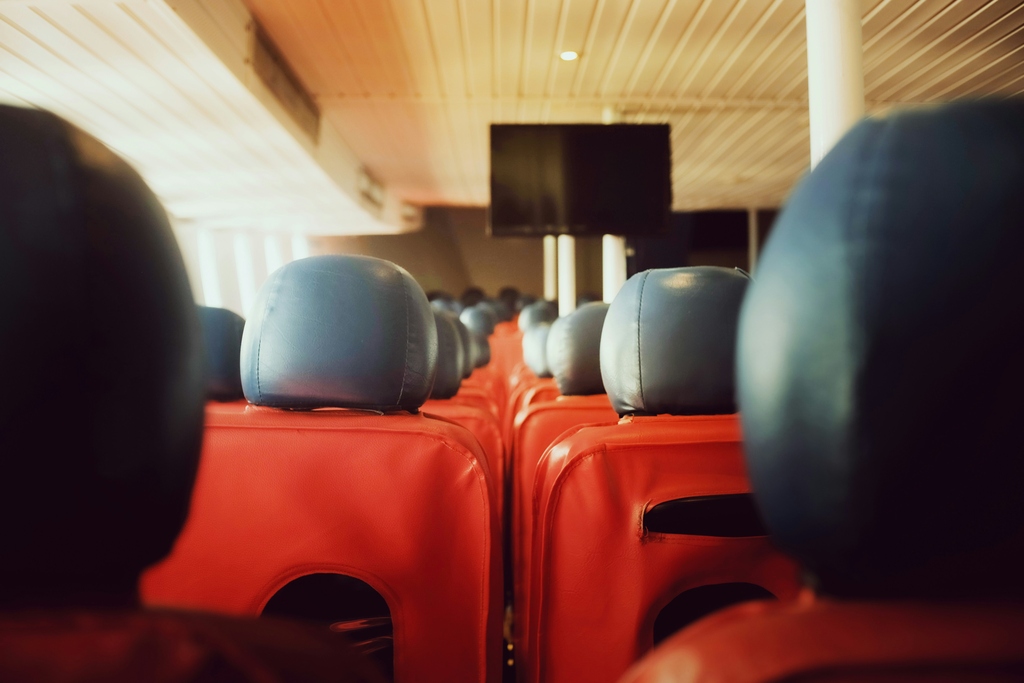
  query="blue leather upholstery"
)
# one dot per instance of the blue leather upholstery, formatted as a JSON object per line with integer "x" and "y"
{"x": 480, "y": 319}
{"x": 574, "y": 351}
{"x": 881, "y": 365}
{"x": 668, "y": 342}
{"x": 451, "y": 357}
{"x": 470, "y": 350}
{"x": 536, "y": 313}
{"x": 222, "y": 343}
{"x": 535, "y": 349}
{"x": 101, "y": 412}
{"x": 342, "y": 331}
{"x": 481, "y": 350}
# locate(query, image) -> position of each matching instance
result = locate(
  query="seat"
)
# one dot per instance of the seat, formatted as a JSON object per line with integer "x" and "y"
{"x": 222, "y": 344}
{"x": 98, "y": 312}
{"x": 331, "y": 471}
{"x": 879, "y": 372}
{"x": 573, "y": 354}
{"x": 642, "y": 525}
{"x": 483, "y": 425}
{"x": 539, "y": 386}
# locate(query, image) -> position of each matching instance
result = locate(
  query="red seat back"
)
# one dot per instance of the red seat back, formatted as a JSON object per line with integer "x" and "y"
{"x": 536, "y": 428}
{"x": 402, "y": 502}
{"x": 825, "y": 641}
{"x": 598, "y": 578}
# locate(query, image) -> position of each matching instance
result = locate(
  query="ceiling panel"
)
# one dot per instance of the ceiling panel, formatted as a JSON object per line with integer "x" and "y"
{"x": 413, "y": 84}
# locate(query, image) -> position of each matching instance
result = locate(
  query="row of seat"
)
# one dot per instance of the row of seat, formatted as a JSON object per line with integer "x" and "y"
{"x": 330, "y": 494}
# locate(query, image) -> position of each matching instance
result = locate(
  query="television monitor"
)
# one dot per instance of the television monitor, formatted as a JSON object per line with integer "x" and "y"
{"x": 580, "y": 179}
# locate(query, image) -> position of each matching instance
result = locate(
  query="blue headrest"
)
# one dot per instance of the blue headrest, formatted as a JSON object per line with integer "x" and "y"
{"x": 574, "y": 351}
{"x": 342, "y": 331}
{"x": 480, "y": 319}
{"x": 537, "y": 313}
{"x": 481, "y": 350}
{"x": 98, "y": 314}
{"x": 669, "y": 340}
{"x": 451, "y": 357}
{"x": 222, "y": 342}
{"x": 880, "y": 363}
{"x": 535, "y": 349}
{"x": 470, "y": 351}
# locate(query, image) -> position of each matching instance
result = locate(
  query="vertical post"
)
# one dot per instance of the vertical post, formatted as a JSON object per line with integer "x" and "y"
{"x": 550, "y": 267}
{"x": 613, "y": 247}
{"x": 752, "y": 239}
{"x": 613, "y": 265}
{"x": 566, "y": 274}
{"x": 835, "y": 71}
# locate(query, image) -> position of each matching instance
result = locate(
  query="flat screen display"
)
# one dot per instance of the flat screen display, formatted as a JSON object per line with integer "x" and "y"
{"x": 580, "y": 179}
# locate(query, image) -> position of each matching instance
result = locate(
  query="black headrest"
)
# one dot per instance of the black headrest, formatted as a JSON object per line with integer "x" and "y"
{"x": 102, "y": 409}
{"x": 535, "y": 349}
{"x": 446, "y": 305}
{"x": 537, "y": 313}
{"x": 668, "y": 342}
{"x": 509, "y": 295}
{"x": 480, "y": 319}
{"x": 343, "y": 331}
{"x": 222, "y": 341}
{"x": 470, "y": 350}
{"x": 481, "y": 352}
{"x": 472, "y": 296}
{"x": 502, "y": 312}
{"x": 574, "y": 351}
{"x": 880, "y": 363}
{"x": 524, "y": 300}
{"x": 451, "y": 357}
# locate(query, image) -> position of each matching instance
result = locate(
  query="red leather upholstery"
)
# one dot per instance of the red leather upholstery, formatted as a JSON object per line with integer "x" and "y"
{"x": 598, "y": 580}
{"x": 824, "y": 640}
{"x": 478, "y": 397}
{"x": 525, "y": 393}
{"x": 484, "y": 426}
{"x": 402, "y": 502}
{"x": 169, "y": 647}
{"x": 506, "y": 350}
{"x": 488, "y": 379}
{"x": 536, "y": 428}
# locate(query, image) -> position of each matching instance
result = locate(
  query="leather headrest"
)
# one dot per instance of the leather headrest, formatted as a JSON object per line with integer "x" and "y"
{"x": 451, "y": 357}
{"x": 480, "y": 319}
{"x": 524, "y": 300}
{"x": 669, "y": 339}
{"x": 535, "y": 349}
{"x": 342, "y": 331}
{"x": 574, "y": 351}
{"x": 482, "y": 351}
{"x": 880, "y": 363}
{"x": 222, "y": 342}
{"x": 449, "y": 305}
{"x": 537, "y": 313}
{"x": 101, "y": 414}
{"x": 469, "y": 349}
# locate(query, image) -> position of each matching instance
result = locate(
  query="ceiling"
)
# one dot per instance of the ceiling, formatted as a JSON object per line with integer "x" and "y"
{"x": 134, "y": 74}
{"x": 412, "y": 85}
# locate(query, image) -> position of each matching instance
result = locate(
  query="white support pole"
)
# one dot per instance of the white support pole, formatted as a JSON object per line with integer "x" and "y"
{"x": 613, "y": 247}
{"x": 566, "y": 274}
{"x": 613, "y": 265}
{"x": 550, "y": 267}
{"x": 752, "y": 240}
{"x": 835, "y": 71}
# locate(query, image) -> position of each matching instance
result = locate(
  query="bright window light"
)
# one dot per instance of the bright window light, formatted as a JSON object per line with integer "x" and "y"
{"x": 272, "y": 249}
{"x": 245, "y": 270}
{"x": 208, "y": 272}
{"x": 569, "y": 55}
{"x": 300, "y": 247}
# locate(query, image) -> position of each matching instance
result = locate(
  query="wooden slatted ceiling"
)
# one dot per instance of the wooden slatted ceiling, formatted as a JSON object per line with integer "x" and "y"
{"x": 133, "y": 74}
{"x": 413, "y": 84}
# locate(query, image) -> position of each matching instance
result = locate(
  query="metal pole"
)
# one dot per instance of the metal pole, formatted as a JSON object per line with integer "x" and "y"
{"x": 835, "y": 71}
{"x": 613, "y": 265}
{"x": 566, "y": 274}
{"x": 550, "y": 267}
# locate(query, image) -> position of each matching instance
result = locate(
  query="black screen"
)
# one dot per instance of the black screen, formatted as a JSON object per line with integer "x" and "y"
{"x": 580, "y": 179}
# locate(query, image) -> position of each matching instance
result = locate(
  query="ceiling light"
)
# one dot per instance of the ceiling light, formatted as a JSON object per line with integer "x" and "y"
{"x": 568, "y": 56}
